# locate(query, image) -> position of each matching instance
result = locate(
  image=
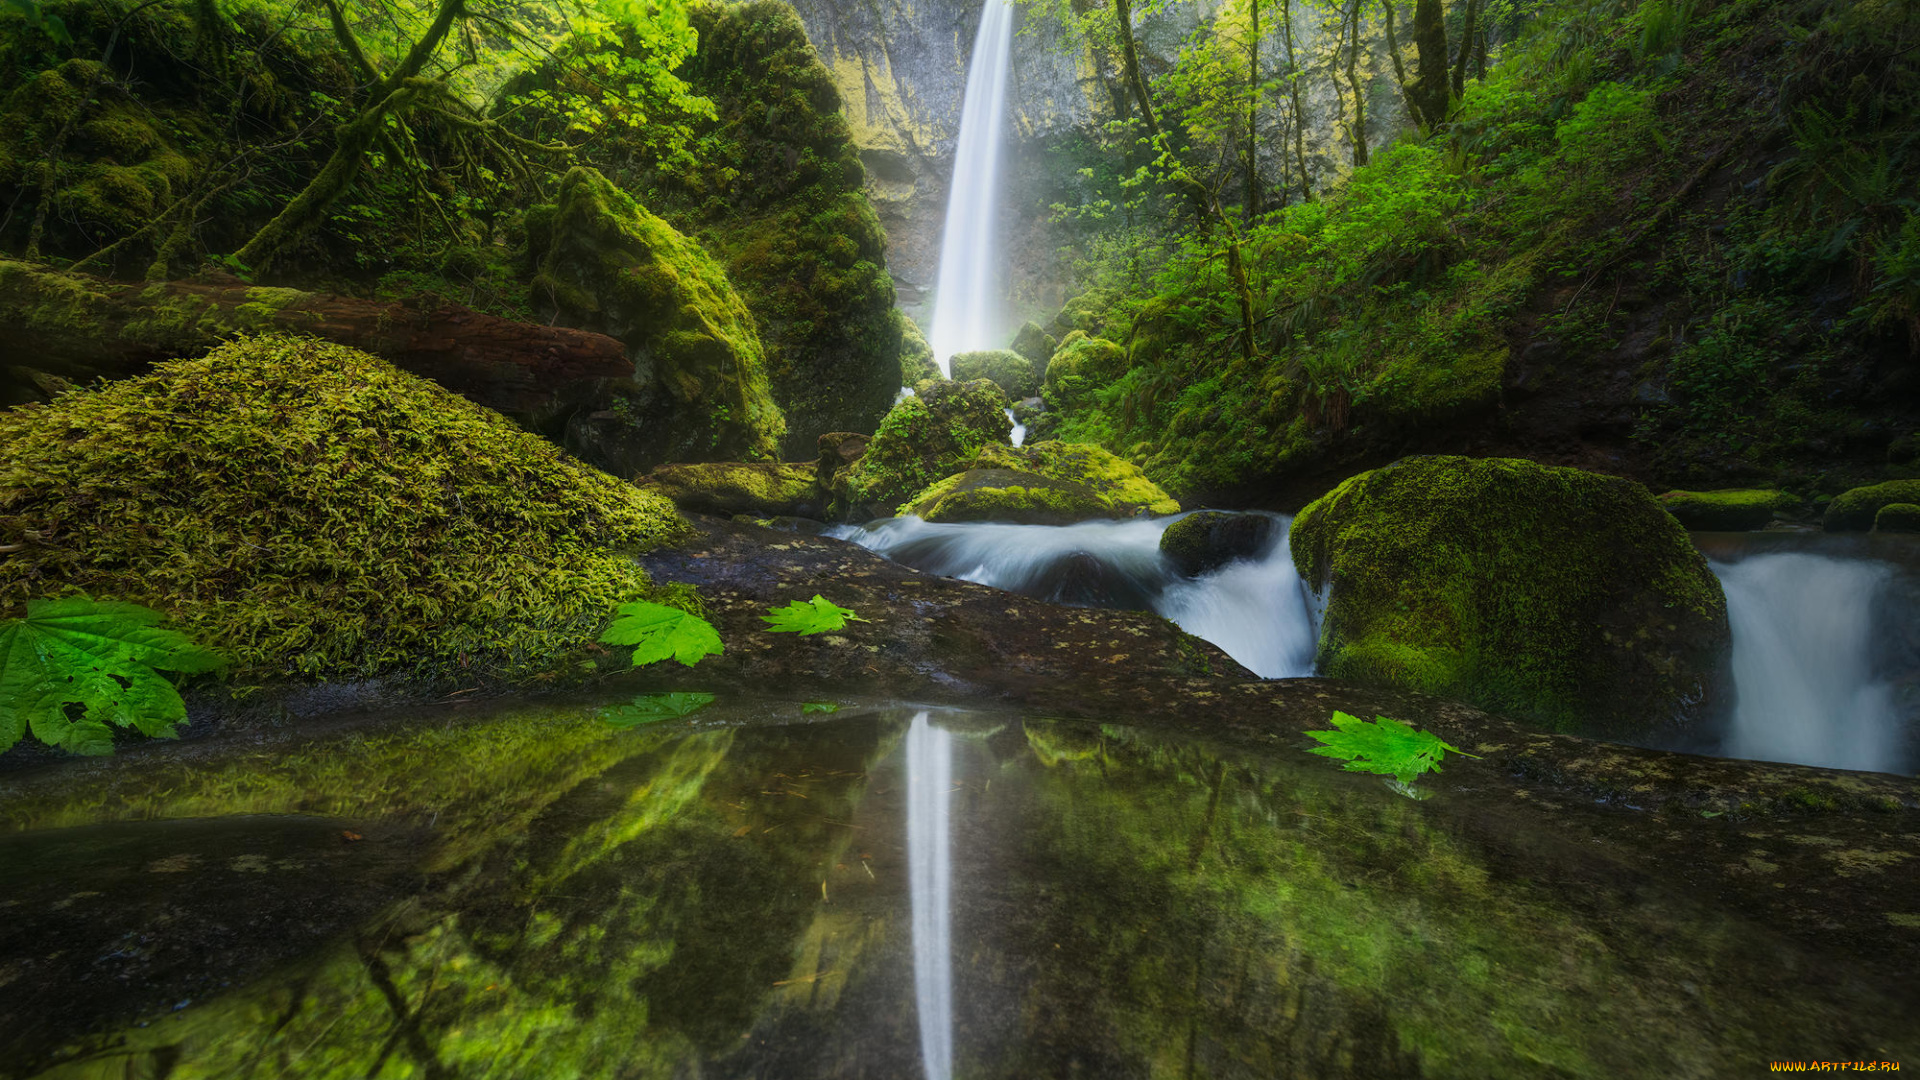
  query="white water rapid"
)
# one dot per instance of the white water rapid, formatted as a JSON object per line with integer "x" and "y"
{"x": 1802, "y": 634}
{"x": 963, "y": 316}
{"x": 930, "y": 881}
{"x": 1256, "y": 609}
{"x": 1019, "y": 429}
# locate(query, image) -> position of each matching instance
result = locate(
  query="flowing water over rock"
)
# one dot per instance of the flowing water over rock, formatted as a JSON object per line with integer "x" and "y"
{"x": 888, "y": 892}
{"x": 1256, "y": 609}
{"x": 965, "y": 315}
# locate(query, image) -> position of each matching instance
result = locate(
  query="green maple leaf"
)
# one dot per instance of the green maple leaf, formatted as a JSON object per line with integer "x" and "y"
{"x": 648, "y": 708}
{"x": 818, "y": 706}
{"x": 809, "y": 616}
{"x": 1384, "y": 746}
{"x": 657, "y": 632}
{"x": 75, "y": 665}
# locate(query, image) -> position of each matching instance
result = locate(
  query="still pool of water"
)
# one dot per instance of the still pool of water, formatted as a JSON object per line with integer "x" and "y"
{"x": 887, "y": 891}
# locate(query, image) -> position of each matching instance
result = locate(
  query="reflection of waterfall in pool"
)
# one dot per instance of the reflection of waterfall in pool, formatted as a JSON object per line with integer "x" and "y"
{"x": 963, "y": 300}
{"x": 1255, "y": 609}
{"x": 930, "y": 868}
{"x": 1802, "y": 637}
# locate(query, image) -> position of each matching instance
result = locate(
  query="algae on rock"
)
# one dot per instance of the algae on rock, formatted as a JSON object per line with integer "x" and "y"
{"x": 699, "y": 389}
{"x": 1564, "y": 598}
{"x": 314, "y": 511}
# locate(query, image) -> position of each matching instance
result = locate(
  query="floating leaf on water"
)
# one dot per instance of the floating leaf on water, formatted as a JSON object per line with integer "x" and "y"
{"x": 650, "y": 708}
{"x": 657, "y": 632}
{"x": 809, "y": 616}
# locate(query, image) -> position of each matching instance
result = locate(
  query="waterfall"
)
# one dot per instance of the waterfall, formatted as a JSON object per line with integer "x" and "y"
{"x": 1256, "y": 609}
{"x": 962, "y": 312}
{"x": 1802, "y": 632}
{"x": 1019, "y": 434}
{"x": 930, "y": 869}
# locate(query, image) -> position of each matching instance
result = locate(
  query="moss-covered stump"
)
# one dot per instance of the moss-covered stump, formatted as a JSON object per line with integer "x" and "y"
{"x": 699, "y": 391}
{"x": 313, "y": 511}
{"x": 1211, "y": 539}
{"x": 1564, "y": 598}
{"x": 757, "y": 488}
{"x": 925, "y": 438}
{"x": 1005, "y": 368}
{"x": 1035, "y": 344}
{"x": 916, "y": 356}
{"x": 1009, "y": 495}
{"x": 1854, "y": 511}
{"x": 1734, "y": 510}
{"x": 1081, "y": 365}
{"x": 1897, "y": 518}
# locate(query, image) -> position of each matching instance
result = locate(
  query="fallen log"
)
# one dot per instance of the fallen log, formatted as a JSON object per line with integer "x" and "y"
{"x": 77, "y": 328}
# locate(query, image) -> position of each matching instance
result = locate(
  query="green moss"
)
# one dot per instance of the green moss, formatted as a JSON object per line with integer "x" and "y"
{"x": 929, "y": 437}
{"x": 316, "y": 512}
{"x": 916, "y": 356}
{"x": 1561, "y": 597}
{"x": 1005, "y": 368}
{"x": 1854, "y": 510}
{"x": 1034, "y": 344}
{"x": 1897, "y": 518}
{"x": 1732, "y": 510}
{"x": 1009, "y": 495}
{"x": 760, "y": 489}
{"x": 701, "y": 393}
{"x": 1120, "y": 483}
{"x": 1080, "y": 366}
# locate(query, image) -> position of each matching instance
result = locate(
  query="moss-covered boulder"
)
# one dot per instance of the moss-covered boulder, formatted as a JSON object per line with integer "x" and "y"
{"x": 1736, "y": 510}
{"x": 1009, "y": 495}
{"x": 1211, "y": 539}
{"x": 916, "y": 356}
{"x": 1081, "y": 365}
{"x": 699, "y": 390}
{"x": 1855, "y": 510}
{"x": 1897, "y": 518}
{"x": 314, "y": 511}
{"x": 928, "y": 437}
{"x": 1120, "y": 483}
{"x": 1035, "y": 344}
{"x": 1564, "y": 598}
{"x": 1005, "y": 368}
{"x": 760, "y": 489}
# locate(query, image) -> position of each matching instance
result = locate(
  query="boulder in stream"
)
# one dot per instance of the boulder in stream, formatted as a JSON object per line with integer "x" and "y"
{"x": 1048, "y": 483}
{"x": 1734, "y": 510}
{"x": 1854, "y": 511}
{"x": 1564, "y": 598}
{"x": 1211, "y": 539}
{"x": 928, "y": 437}
{"x": 1897, "y": 518}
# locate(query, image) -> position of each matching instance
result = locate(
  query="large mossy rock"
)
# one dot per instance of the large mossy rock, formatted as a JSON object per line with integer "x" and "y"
{"x": 1736, "y": 510}
{"x": 1125, "y": 489}
{"x": 1211, "y": 539}
{"x": 699, "y": 390}
{"x": 314, "y": 511}
{"x": 1564, "y": 598}
{"x": 1081, "y": 365}
{"x": 1855, "y": 510}
{"x": 927, "y": 437}
{"x": 758, "y": 488}
{"x": 1009, "y": 495}
{"x": 1004, "y": 368}
{"x": 916, "y": 356}
{"x": 1897, "y": 518}
{"x": 1035, "y": 344}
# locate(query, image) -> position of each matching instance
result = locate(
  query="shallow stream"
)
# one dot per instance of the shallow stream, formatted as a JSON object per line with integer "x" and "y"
{"x": 888, "y": 891}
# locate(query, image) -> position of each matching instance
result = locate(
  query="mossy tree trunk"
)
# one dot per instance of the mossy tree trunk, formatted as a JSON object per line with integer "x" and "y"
{"x": 1428, "y": 93}
{"x": 1466, "y": 48}
{"x": 1293, "y": 94}
{"x": 1353, "y": 82}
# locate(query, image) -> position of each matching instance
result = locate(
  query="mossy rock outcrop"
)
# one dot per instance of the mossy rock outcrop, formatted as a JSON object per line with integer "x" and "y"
{"x": 1854, "y": 511}
{"x": 699, "y": 390}
{"x": 1005, "y": 368}
{"x": 1564, "y": 598}
{"x": 916, "y": 356}
{"x": 1081, "y": 365}
{"x": 761, "y": 489}
{"x": 1120, "y": 483}
{"x": 313, "y": 511}
{"x": 1009, "y": 495}
{"x": 1211, "y": 539}
{"x": 1738, "y": 510}
{"x": 1035, "y": 344}
{"x": 928, "y": 437}
{"x": 1897, "y": 518}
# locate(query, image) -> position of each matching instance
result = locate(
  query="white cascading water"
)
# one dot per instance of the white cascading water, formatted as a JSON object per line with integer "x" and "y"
{"x": 1257, "y": 609}
{"x": 1019, "y": 429}
{"x": 963, "y": 299}
{"x": 930, "y": 884}
{"x": 1802, "y": 631}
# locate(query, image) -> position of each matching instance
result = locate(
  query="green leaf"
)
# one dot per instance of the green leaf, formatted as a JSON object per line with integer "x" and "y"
{"x": 658, "y": 631}
{"x": 1384, "y": 746}
{"x": 76, "y": 664}
{"x": 818, "y": 706}
{"x": 808, "y": 617}
{"x": 649, "y": 708}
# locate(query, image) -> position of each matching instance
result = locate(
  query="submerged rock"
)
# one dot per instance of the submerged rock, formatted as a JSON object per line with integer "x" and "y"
{"x": 1897, "y": 518}
{"x": 1564, "y": 598}
{"x": 1736, "y": 510}
{"x": 314, "y": 511}
{"x": 1008, "y": 370}
{"x": 699, "y": 390}
{"x": 1211, "y": 539}
{"x": 756, "y": 488}
{"x": 1855, "y": 510}
{"x": 927, "y": 437}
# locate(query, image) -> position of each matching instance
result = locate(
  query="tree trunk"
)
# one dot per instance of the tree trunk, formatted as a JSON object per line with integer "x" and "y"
{"x": 1353, "y": 81}
{"x": 1466, "y": 49}
{"x": 1429, "y": 90}
{"x": 1252, "y": 198}
{"x": 79, "y": 328}
{"x": 1399, "y": 69}
{"x": 1293, "y": 93}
